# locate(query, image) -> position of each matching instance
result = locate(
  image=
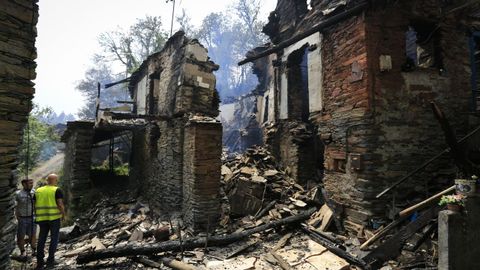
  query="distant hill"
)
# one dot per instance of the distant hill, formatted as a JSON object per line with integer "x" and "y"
{"x": 54, "y": 118}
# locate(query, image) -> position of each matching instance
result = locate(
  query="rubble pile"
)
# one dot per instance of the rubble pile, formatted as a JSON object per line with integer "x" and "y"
{"x": 269, "y": 222}
{"x": 253, "y": 180}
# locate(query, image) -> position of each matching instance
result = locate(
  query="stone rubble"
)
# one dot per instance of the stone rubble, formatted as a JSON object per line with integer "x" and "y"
{"x": 124, "y": 220}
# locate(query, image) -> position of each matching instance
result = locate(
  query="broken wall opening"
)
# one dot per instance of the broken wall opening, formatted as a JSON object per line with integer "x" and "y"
{"x": 298, "y": 98}
{"x": 423, "y": 48}
{"x": 110, "y": 165}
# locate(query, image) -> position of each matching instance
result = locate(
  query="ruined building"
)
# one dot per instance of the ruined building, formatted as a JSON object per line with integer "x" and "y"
{"x": 348, "y": 90}
{"x": 17, "y": 70}
{"x": 175, "y": 139}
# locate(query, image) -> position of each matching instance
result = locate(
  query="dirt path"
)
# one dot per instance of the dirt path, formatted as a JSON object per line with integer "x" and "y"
{"x": 53, "y": 165}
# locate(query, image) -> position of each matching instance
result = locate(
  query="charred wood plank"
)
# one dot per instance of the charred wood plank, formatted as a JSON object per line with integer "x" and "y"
{"x": 266, "y": 209}
{"x": 419, "y": 238}
{"x": 336, "y": 249}
{"x": 382, "y": 232}
{"x": 433, "y": 199}
{"x": 147, "y": 262}
{"x": 242, "y": 248}
{"x": 281, "y": 262}
{"x": 196, "y": 242}
{"x": 391, "y": 248}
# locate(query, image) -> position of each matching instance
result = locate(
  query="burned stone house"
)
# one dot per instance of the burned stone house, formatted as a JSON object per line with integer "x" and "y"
{"x": 346, "y": 92}
{"x": 174, "y": 137}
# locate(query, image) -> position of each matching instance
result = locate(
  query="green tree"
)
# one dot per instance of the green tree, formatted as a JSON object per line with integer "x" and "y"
{"x": 130, "y": 47}
{"x": 108, "y": 97}
{"x": 36, "y": 137}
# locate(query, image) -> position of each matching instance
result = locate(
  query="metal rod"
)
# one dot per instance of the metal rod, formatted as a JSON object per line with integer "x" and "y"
{"x": 425, "y": 164}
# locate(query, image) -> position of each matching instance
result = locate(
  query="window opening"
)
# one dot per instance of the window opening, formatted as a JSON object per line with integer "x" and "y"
{"x": 422, "y": 45}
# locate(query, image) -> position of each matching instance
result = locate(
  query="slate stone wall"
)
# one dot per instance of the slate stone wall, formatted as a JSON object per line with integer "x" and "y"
{"x": 384, "y": 118}
{"x": 170, "y": 153}
{"x": 17, "y": 70}
{"x": 76, "y": 179}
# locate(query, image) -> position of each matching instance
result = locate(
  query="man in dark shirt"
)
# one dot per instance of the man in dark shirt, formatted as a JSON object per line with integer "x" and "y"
{"x": 49, "y": 210}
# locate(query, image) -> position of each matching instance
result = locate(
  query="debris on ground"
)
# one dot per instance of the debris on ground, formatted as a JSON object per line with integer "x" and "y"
{"x": 268, "y": 222}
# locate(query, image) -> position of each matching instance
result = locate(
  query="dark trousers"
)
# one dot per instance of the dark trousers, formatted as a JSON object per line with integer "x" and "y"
{"x": 54, "y": 228}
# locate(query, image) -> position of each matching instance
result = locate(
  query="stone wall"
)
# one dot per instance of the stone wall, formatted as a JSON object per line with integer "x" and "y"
{"x": 374, "y": 122}
{"x": 201, "y": 185}
{"x": 410, "y": 133}
{"x": 458, "y": 236}
{"x": 383, "y": 118}
{"x": 181, "y": 85}
{"x": 161, "y": 164}
{"x": 77, "y": 164}
{"x": 292, "y": 143}
{"x": 344, "y": 123}
{"x": 17, "y": 70}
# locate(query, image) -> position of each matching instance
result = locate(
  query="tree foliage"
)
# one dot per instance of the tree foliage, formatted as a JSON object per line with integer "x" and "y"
{"x": 228, "y": 38}
{"x": 38, "y": 139}
{"x": 130, "y": 47}
{"x": 108, "y": 97}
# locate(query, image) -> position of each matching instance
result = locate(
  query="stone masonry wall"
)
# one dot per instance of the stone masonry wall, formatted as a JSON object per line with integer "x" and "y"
{"x": 344, "y": 124}
{"x": 201, "y": 185}
{"x": 17, "y": 70}
{"x": 77, "y": 163}
{"x": 180, "y": 83}
{"x": 383, "y": 119}
{"x": 409, "y": 133}
{"x": 292, "y": 144}
{"x": 162, "y": 184}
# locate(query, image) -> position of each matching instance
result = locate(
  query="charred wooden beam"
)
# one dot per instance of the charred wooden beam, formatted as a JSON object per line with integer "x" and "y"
{"x": 218, "y": 240}
{"x": 317, "y": 28}
{"x": 391, "y": 248}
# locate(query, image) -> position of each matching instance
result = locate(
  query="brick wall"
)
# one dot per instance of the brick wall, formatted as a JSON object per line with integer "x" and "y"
{"x": 17, "y": 69}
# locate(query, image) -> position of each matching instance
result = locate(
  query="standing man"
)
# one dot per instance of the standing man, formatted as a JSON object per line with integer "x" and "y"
{"x": 24, "y": 215}
{"x": 49, "y": 209}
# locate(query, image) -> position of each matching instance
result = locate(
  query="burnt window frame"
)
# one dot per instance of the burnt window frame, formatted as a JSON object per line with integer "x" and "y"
{"x": 425, "y": 32}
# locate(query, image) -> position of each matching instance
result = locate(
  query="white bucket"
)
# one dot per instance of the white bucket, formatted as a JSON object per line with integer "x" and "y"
{"x": 465, "y": 186}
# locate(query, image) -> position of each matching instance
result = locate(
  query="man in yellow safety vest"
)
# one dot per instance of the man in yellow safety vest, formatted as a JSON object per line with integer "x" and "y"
{"x": 49, "y": 210}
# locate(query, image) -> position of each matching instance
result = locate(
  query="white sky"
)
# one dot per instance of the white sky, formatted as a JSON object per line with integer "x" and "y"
{"x": 68, "y": 31}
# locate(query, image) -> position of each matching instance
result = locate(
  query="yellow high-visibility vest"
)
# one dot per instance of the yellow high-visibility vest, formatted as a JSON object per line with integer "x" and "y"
{"x": 46, "y": 208}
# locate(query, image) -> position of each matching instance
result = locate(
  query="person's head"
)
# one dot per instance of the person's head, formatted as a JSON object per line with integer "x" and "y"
{"x": 52, "y": 179}
{"x": 27, "y": 184}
